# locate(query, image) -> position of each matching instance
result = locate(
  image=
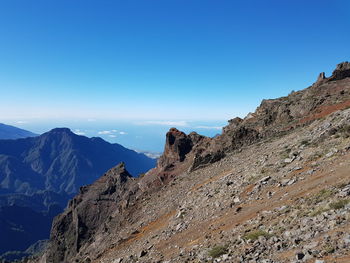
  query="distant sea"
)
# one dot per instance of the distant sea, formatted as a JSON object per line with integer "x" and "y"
{"x": 138, "y": 135}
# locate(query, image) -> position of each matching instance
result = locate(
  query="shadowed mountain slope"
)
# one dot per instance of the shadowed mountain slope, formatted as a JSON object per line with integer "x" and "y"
{"x": 11, "y": 132}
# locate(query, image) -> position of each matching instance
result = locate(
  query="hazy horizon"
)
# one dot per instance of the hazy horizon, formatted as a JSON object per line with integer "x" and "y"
{"x": 138, "y": 135}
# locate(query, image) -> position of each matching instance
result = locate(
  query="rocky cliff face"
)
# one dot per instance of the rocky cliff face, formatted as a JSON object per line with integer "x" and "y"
{"x": 342, "y": 71}
{"x": 177, "y": 145}
{"x": 248, "y": 195}
{"x": 88, "y": 213}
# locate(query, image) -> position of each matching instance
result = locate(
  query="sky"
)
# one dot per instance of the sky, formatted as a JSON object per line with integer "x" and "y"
{"x": 160, "y": 61}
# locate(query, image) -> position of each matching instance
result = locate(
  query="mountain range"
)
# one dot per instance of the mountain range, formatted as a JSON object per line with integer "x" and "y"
{"x": 11, "y": 132}
{"x": 272, "y": 187}
{"x": 38, "y": 175}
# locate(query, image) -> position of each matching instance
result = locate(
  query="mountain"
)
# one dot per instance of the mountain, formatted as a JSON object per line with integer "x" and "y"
{"x": 273, "y": 187}
{"x": 61, "y": 161}
{"x": 11, "y": 132}
{"x": 38, "y": 176}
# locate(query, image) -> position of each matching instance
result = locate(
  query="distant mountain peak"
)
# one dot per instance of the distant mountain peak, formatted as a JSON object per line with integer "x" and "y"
{"x": 11, "y": 132}
{"x": 61, "y": 130}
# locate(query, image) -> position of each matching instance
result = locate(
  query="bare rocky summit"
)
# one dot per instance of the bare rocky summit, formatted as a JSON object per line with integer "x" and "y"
{"x": 273, "y": 187}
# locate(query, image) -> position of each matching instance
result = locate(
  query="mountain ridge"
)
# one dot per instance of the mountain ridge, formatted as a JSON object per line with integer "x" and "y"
{"x": 273, "y": 187}
{"x": 12, "y": 132}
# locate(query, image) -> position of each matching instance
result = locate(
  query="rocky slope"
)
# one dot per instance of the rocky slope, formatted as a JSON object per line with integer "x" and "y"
{"x": 273, "y": 187}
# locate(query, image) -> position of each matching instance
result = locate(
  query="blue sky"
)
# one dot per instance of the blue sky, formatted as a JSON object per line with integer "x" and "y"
{"x": 162, "y": 60}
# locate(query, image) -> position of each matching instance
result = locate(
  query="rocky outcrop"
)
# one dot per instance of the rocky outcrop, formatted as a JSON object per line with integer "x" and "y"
{"x": 342, "y": 71}
{"x": 321, "y": 77}
{"x": 88, "y": 213}
{"x": 177, "y": 145}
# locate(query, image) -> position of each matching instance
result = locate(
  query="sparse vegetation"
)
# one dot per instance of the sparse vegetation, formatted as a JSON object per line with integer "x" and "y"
{"x": 315, "y": 156}
{"x": 217, "y": 251}
{"x": 255, "y": 177}
{"x": 182, "y": 215}
{"x": 339, "y": 204}
{"x": 342, "y": 185}
{"x": 329, "y": 249}
{"x": 322, "y": 195}
{"x": 286, "y": 152}
{"x": 254, "y": 235}
{"x": 318, "y": 211}
{"x": 305, "y": 142}
{"x": 345, "y": 131}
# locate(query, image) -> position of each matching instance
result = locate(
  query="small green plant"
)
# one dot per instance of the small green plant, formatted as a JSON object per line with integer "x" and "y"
{"x": 305, "y": 142}
{"x": 345, "y": 130}
{"x": 217, "y": 251}
{"x": 286, "y": 152}
{"x": 318, "y": 211}
{"x": 254, "y": 235}
{"x": 279, "y": 230}
{"x": 315, "y": 156}
{"x": 329, "y": 249}
{"x": 339, "y": 204}
{"x": 321, "y": 196}
{"x": 182, "y": 215}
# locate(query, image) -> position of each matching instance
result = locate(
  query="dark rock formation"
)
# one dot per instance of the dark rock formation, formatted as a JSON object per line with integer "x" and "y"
{"x": 321, "y": 78}
{"x": 342, "y": 71}
{"x": 177, "y": 145}
{"x": 88, "y": 213}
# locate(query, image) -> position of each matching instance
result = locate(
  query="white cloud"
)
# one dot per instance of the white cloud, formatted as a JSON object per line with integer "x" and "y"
{"x": 111, "y": 133}
{"x": 105, "y": 132}
{"x": 79, "y": 132}
{"x": 21, "y": 122}
{"x": 91, "y": 120}
{"x": 164, "y": 123}
{"x": 209, "y": 127}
